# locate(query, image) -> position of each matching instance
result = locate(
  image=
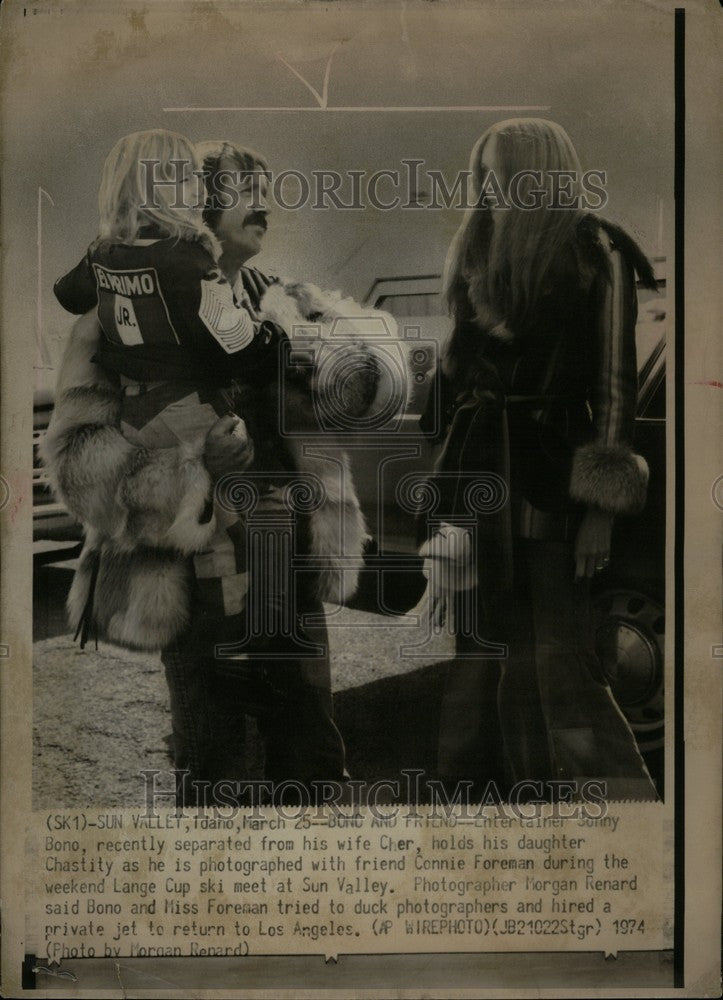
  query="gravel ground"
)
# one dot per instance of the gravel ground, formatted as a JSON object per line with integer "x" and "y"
{"x": 102, "y": 716}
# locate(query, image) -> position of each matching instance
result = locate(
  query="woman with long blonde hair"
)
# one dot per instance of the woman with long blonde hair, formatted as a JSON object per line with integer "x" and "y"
{"x": 538, "y": 384}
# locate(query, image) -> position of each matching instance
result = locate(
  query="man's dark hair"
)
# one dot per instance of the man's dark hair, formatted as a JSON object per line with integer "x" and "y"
{"x": 222, "y": 158}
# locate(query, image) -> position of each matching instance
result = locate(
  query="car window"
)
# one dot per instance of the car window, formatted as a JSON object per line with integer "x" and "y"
{"x": 650, "y": 335}
{"x": 655, "y": 408}
{"x": 415, "y": 304}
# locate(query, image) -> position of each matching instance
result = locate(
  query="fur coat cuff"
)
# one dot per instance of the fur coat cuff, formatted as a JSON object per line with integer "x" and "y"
{"x": 610, "y": 477}
{"x": 140, "y": 599}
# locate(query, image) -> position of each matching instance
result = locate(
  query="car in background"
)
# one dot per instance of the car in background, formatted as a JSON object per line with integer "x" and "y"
{"x": 628, "y": 598}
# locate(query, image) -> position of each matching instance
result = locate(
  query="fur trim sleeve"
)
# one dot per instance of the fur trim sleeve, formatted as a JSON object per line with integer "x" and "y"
{"x": 611, "y": 477}
{"x": 122, "y": 492}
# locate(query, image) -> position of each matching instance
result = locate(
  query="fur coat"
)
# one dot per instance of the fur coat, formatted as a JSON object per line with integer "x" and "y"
{"x": 145, "y": 512}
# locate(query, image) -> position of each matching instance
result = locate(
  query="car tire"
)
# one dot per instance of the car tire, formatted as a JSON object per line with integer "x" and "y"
{"x": 629, "y": 623}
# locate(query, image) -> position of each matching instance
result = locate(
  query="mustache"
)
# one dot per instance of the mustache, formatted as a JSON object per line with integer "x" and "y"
{"x": 256, "y": 219}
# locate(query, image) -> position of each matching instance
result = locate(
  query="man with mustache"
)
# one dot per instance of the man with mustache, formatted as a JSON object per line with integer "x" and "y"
{"x": 289, "y": 697}
{"x": 281, "y": 676}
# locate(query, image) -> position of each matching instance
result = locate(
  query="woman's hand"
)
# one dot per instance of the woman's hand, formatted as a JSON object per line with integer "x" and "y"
{"x": 228, "y": 447}
{"x": 449, "y": 566}
{"x": 592, "y": 546}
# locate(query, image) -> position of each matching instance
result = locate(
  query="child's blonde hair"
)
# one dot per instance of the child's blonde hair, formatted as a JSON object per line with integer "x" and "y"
{"x": 129, "y": 199}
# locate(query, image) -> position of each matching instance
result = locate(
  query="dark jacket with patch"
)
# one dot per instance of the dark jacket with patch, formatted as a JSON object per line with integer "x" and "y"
{"x": 167, "y": 313}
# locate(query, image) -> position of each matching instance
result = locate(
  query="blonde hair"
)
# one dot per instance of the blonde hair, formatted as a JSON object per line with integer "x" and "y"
{"x": 500, "y": 268}
{"x": 129, "y": 199}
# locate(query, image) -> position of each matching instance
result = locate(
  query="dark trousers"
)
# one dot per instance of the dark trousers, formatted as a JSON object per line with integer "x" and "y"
{"x": 289, "y": 697}
{"x": 543, "y": 710}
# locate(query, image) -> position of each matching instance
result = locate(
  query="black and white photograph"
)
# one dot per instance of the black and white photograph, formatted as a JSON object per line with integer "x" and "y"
{"x": 484, "y": 323}
{"x": 355, "y": 488}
